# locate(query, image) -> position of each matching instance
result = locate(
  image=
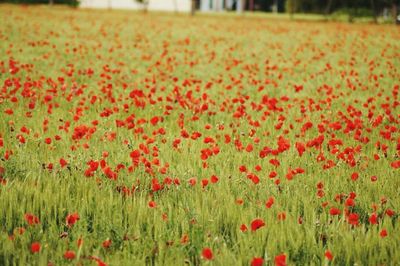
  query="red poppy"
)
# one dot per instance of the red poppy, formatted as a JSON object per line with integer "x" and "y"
{"x": 31, "y": 219}
{"x": 204, "y": 182}
{"x": 257, "y": 224}
{"x": 300, "y": 220}
{"x": 280, "y": 260}
{"x": 300, "y": 148}
{"x": 79, "y": 242}
{"x": 192, "y": 181}
{"x": 270, "y": 202}
{"x": 354, "y": 176}
{"x": 395, "y": 164}
{"x": 207, "y": 254}
{"x": 69, "y": 255}
{"x": 389, "y": 212}
{"x": 272, "y": 174}
{"x": 353, "y": 218}
{"x": 257, "y": 262}
{"x": 100, "y": 262}
{"x": 328, "y": 255}
{"x": 349, "y": 202}
{"x": 152, "y": 204}
{"x": 35, "y": 247}
{"x": 281, "y": 216}
{"x": 334, "y": 211}
{"x": 214, "y": 179}
{"x": 249, "y": 148}
{"x": 373, "y": 219}
{"x": 184, "y": 239}
{"x": 106, "y": 243}
{"x": 274, "y": 162}
{"x": 20, "y": 230}
{"x": 383, "y": 233}
{"x": 63, "y": 162}
{"x": 242, "y": 168}
{"x": 243, "y": 228}
{"x": 71, "y": 219}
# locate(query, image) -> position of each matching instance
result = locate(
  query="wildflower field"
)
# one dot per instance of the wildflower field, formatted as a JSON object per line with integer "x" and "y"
{"x": 161, "y": 139}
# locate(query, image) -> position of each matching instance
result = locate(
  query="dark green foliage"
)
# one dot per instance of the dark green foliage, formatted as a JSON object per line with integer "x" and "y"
{"x": 354, "y": 8}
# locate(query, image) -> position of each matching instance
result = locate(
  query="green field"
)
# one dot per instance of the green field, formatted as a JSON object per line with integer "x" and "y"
{"x": 160, "y": 139}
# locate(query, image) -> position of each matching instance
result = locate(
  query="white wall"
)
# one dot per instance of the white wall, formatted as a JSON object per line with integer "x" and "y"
{"x": 170, "y": 5}
{"x": 156, "y": 5}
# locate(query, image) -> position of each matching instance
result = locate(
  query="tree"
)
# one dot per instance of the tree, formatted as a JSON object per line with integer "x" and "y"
{"x": 328, "y": 7}
{"x": 193, "y": 7}
{"x": 393, "y": 5}
{"x": 374, "y": 12}
{"x": 291, "y": 7}
{"x": 394, "y": 11}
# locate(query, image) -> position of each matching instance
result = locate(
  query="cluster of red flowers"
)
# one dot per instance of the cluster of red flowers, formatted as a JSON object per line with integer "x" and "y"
{"x": 266, "y": 124}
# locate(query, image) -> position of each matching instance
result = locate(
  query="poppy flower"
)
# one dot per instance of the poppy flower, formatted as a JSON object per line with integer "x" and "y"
{"x": 63, "y": 162}
{"x": 243, "y": 228}
{"x": 106, "y": 243}
{"x": 349, "y": 202}
{"x": 99, "y": 262}
{"x": 395, "y": 164}
{"x": 152, "y": 204}
{"x": 257, "y": 224}
{"x": 31, "y": 219}
{"x": 184, "y": 239}
{"x": 270, "y": 202}
{"x": 272, "y": 174}
{"x": 300, "y": 148}
{"x": 373, "y": 219}
{"x": 389, "y": 212}
{"x": 274, "y": 162}
{"x": 300, "y": 220}
{"x": 328, "y": 255}
{"x": 204, "y": 182}
{"x": 280, "y": 260}
{"x": 335, "y": 211}
{"x": 207, "y": 254}
{"x": 214, "y": 179}
{"x": 69, "y": 255}
{"x": 257, "y": 261}
{"x": 35, "y": 247}
{"x": 20, "y": 230}
{"x": 192, "y": 181}
{"x": 354, "y": 176}
{"x": 71, "y": 219}
{"x": 353, "y": 218}
{"x": 79, "y": 242}
{"x": 383, "y": 233}
{"x": 281, "y": 216}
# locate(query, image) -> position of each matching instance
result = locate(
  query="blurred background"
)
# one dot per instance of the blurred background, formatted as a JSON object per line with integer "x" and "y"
{"x": 378, "y": 11}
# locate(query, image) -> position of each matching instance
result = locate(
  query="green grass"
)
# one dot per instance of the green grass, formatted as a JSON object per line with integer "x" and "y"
{"x": 222, "y": 61}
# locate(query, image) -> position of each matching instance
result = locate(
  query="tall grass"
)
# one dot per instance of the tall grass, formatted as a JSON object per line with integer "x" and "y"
{"x": 346, "y": 72}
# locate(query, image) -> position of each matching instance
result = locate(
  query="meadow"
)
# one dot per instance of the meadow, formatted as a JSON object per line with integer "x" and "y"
{"x": 161, "y": 139}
